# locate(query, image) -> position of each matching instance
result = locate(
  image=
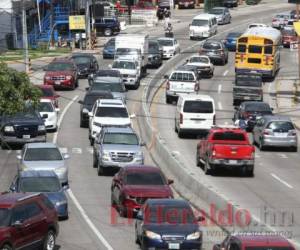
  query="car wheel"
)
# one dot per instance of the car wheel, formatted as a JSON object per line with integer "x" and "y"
{"x": 136, "y": 85}
{"x": 49, "y": 242}
{"x": 137, "y": 240}
{"x": 82, "y": 124}
{"x": 95, "y": 161}
{"x": 207, "y": 170}
{"x": 261, "y": 145}
{"x": 192, "y": 38}
{"x": 175, "y": 127}
{"x": 198, "y": 162}
{"x": 100, "y": 170}
{"x": 6, "y": 247}
{"x": 250, "y": 172}
{"x": 107, "y": 32}
{"x": 295, "y": 149}
{"x": 112, "y": 201}
{"x": 180, "y": 134}
{"x": 168, "y": 100}
{"x": 91, "y": 141}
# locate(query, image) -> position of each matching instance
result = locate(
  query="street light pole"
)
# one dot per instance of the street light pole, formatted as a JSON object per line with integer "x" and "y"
{"x": 88, "y": 25}
{"x": 25, "y": 38}
{"x": 298, "y": 40}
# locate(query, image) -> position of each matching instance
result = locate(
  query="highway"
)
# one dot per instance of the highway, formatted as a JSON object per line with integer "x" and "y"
{"x": 92, "y": 223}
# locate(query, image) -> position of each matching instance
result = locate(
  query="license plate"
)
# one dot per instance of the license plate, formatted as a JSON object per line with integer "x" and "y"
{"x": 57, "y": 82}
{"x": 232, "y": 161}
{"x": 280, "y": 134}
{"x": 174, "y": 246}
{"x": 26, "y": 136}
{"x": 197, "y": 121}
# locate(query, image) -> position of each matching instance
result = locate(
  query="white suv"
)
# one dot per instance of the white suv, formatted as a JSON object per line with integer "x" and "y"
{"x": 107, "y": 112}
{"x": 181, "y": 82}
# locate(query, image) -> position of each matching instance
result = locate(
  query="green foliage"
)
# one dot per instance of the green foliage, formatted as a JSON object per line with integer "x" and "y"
{"x": 16, "y": 90}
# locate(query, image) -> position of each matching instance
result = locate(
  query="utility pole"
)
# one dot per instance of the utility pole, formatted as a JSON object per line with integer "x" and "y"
{"x": 298, "y": 41}
{"x": 51, "y": 23}
{"x": 88, "y": 25}
{"x": 25, "y": 39}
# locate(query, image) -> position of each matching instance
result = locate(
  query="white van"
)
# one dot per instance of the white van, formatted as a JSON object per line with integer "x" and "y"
{"x": 203, "y": 25}
{"x": 194, "y": 114}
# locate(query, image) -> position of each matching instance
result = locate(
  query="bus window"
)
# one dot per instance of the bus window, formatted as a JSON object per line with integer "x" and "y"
{"x": 268, "y": 50}
{"x": 242, "y": 48}
{"x": 255, "y": 49}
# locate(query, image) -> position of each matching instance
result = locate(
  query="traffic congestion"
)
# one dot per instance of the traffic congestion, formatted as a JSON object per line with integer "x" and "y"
{"x": 82, "y": 172}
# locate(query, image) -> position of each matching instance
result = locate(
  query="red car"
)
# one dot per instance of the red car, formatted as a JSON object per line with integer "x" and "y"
{"x": 253, "y": 242}
{"x": 61, "y": 73}
{"x": 48, "y": 92}
{"x": 226, "y": 147}
{"x": 27, "y": 221}
{"x": 288, "y": 36}
{"x": 133, "y": 185}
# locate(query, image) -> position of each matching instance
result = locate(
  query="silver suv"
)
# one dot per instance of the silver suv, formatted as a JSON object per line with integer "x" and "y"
{"x": 116, "y": 147}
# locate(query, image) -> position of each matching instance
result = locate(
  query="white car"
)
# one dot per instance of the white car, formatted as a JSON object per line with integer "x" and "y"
{"x": 204, "y": 66}
{"x": 107, "y": 112}
{"x": 49, "y": 114}
{"x": 254, "y": 25}
{"x": 280, "y": 20}
{"x": 170, "y": 46}
{"x": 130, "y": 71}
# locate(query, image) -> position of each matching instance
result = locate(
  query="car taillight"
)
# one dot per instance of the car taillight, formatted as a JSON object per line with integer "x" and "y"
{"x": 213, "y": 152}
{"x": 253, "y": 153}
{"x": 196, "y": 87}
{"x": 266, "y": 132}
{"x": 292, "y": 133}
{"x": 181, "y": 118}
{"x": 168, "y": 85}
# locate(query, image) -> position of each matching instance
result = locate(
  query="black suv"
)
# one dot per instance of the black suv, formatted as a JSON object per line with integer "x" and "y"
{"x": 107, "y": 25}
{"x": 155, "y": 55}
{"x": 230, "y": 3}
{"x": 88, "y": 102}
{"x": 21, "y": 128}
{"x": 86, "y": 64}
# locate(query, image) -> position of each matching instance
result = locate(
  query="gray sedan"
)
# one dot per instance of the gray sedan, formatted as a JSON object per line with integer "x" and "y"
{"x": 44, "y": 156}
{"x": 277, "y": 131}
{"x": 222, "y": 14}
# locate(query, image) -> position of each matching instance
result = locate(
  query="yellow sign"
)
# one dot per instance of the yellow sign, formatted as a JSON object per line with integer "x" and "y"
{"x": 297, "y": 27}
{"x": 77, "y": 22}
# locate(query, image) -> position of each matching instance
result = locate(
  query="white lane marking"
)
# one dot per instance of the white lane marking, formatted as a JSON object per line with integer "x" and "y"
{"x": 62, "y": 117}
{"x": 76, "y": 151}
{"x": 282, "y": 181}
{"x": 283, "y": 156}
{"x": 220, "y": 106}
{"x": 219, "y": 89}
{"x": 225, "y": 72}
{"x": 72, "y": 196}
{"x": 88, "y": 221}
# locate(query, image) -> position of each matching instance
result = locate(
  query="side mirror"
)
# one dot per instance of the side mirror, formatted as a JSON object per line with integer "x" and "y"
{"x": 17, "y": 224}
{"x": 19, "y": 157}
{"x": 166, "y": 76}
{"x": 66, "y": 156}
{"x": 170, "y": 181}
{"x": 45, "y": 116}
{"x": 90, "y": 114}
{"x": 132, "y": 116}
{"x": 80, "y": 102}
{"x": 139, "y": 216}
{"x": 57, "y": 110}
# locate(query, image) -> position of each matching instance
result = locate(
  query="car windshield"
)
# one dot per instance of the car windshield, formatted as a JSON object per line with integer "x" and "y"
{"x": 229, "y": 136}
{"x": 126, "y": 51}
{"x": 281, "y": 126}
{"x": 59, "y": 66}
{"x": 113, "y": 87}
{"x": 4, "y": 217}
{"x": 199, "y": 22}
{"x": 216, "y": 11}
{"x": 45, "y": 107}
{"x": 269, "y": 248}
{"x": 198, "y": 107}
{"x": 145, "y": 178}
{"x": 182, "y": 77}
{"x": 123, "y": 65}
{"x": 27, "y": 115}
{"x": 234, "y": 35}
{"x": 115, "y": 112}
{"x": 249, "y": 80}
{"x": 212, "y": 45}
{"x": 288, "y": 32}
{"x": 91, "y": 99}
{"x": 153, "y": 48}
{"x": 120, "y": 138}
{"x": 82, "y": 60}
{"x": 199, "y": 59}
{"x": 111, "y": 43}
{"x": 166, "y": 42}
{"x": 39, "y": 184}
{"x": 258, "y": 107}
{"x": 47, "y": 92}
{"x": 166, "y": 214}
{"x": 42, "y": 154}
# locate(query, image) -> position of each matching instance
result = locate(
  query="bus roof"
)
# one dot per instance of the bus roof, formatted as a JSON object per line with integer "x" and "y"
{"x": 264, "y": 32}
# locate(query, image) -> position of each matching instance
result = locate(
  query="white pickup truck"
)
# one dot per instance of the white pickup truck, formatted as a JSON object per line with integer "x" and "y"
{"x": 181, "y": 82}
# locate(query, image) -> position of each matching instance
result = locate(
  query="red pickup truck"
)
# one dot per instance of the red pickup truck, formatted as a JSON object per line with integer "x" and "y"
{"x": 226, "y": 148}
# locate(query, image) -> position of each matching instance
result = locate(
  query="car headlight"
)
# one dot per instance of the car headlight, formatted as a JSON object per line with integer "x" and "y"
{"x": 41, "y": 127}
{"x": 9, "y": 129}
{"x": 97, "y": 124}
{"x": 171, "y": 51}
{"x": 85, "y": 110}
{"x": 139, "y": 154}
{"x": 60, "y": 170}
{"x": 60, "y": 203}
{"x": 194, "y": 236}
{"x": 68, "y": 77}
{"x": 131, "y": 76}
{"x": 152, "y": 235}
{"x": 106, "y": 154}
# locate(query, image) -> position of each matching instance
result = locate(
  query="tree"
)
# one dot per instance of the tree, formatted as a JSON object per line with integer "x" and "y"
{"x": 16, "y": 90}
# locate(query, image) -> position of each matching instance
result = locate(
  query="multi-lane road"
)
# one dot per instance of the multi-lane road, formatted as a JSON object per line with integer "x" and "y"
{"x": 92, "y": 223}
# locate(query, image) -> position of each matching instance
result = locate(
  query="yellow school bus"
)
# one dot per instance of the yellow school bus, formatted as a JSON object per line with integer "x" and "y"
{"x": 258, "y": 50}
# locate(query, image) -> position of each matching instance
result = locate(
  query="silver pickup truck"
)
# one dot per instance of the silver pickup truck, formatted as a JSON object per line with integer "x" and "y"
{"x": 181, "y": 82}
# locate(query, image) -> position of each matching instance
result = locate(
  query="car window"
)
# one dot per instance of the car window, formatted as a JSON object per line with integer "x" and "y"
{"x": 260, "y": 107}
{"x": 199, "y": 59}
{"x": 116, "y": 112}
{"x": 5, "y": 216}
{"x": 249, "y": 80}
{"x": 145, "y": 178}
{"x": 282, "y": 126}
{"x": 216, "y": 11}
{"x": 45, "y": 107}
{"x": 229, "y": 136}
{"x": 108, "y": 86}
{"x": 180, "y": 76}
{"x": 120, "y": 138}
{"x": 39, "y": 184}
{"x": 47, "y": 202}
{"x": 123, "y": 65}
{"x": 57, "y": 66}
{"x": 242, "y": 48}
{"x": 47, "y": 92}
{"x": 82, "y": 60}
{"x": 255, "y": 49}
{"x": 166, "y": 42}
{"x": 212, "y": 45}
{"x": 19, "y": 213}
{"x": 198, "y": 107}
{"x": 199, "y": 22}
{"x": 43, "y": 154}
{"x": 33, "y": 209}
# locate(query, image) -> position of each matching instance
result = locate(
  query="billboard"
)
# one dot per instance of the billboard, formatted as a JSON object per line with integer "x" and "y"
{"x": 77, "y": 22}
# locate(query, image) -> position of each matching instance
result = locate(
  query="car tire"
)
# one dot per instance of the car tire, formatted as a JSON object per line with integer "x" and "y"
{"x": 180, "y": 134}
{"x": 82, "y": 125}
{"x": 192, "y": 38}
{"x": 207, "y": 170}
{"x": 198, "y": 162}
{"x": 175, "y": 127}
{"x": 95, "y": 161}
{"x": 136, "y": 85}
{"x": 294, "y": 149}
{"x": 49, "y": 242}
{"x": 6, "y": 247}
{"x": 108, "y": 32}
{"x": 100, "y": 170}
{"x": 137, "y": 240}
{"x": 260, "y": 145}
{"x": 91, "y": 142}
{"x": 112, "y": 201}
{"x": 168, "y": 100}
{"x": 250, "y": 172}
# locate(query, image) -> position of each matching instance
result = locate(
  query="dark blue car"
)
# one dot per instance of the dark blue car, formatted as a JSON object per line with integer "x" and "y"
{"x": 109, "y": 49}
{"x": 230, "y": 40}
{"x": 168, "y": 224}
{"x": 46, "y": 182}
